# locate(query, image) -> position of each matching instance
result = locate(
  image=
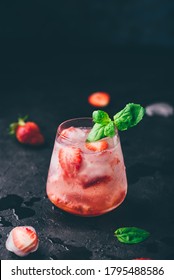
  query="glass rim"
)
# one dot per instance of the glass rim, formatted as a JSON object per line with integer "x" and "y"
{"x": 83, "y": 119}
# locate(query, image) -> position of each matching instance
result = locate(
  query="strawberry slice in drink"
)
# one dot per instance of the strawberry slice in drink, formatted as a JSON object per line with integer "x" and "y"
{"x": 70, "y": 160}
{"x": 96, "y": 181}
{"x": 97, "y": 146}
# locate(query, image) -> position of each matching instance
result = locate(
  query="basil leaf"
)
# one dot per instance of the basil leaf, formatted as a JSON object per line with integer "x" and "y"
{"x": 129, "y": 116}
{"x": 104, "y": 127}
{"x": 101, "y": 117}
{"x": 131, "y": 235}
{"x": 96, "y": 133}
{"x": 109, "y": 129}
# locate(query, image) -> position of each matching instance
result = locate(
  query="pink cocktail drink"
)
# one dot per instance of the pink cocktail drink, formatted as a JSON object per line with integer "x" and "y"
{"x": 86, "y": 179}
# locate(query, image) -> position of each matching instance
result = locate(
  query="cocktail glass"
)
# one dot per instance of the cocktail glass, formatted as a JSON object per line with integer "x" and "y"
{"x": 82, "y": 181}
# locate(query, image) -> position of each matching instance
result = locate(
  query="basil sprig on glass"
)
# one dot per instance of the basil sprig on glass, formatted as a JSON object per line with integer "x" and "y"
{"x": 131, "y": 235}
{"x": 130, "y": 116}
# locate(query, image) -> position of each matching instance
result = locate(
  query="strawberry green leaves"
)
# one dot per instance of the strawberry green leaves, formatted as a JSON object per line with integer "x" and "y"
{"x": 13, "y": 126}
{"x": 130, "y": 116}
{"x": 131, "y": 235}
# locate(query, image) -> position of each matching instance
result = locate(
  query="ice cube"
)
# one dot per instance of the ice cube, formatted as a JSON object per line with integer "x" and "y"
{"x": 159, "y": 109}
{"x": 74, "y": 134}
{"x": 112, "y": 142}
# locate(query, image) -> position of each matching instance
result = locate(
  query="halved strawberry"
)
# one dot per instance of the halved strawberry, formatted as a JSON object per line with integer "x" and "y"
{"x": 97, "y": 146}
{"x": 70, "y": 159}
{"x": 99, "y": 99}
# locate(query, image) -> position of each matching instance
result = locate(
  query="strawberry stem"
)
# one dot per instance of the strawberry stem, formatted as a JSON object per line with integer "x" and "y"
{"x": 13, "y": 126}
{"x": 21, "y": 121}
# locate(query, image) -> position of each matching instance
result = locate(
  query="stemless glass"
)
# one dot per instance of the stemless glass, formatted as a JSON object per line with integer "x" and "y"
{"x": 81, "y": 181}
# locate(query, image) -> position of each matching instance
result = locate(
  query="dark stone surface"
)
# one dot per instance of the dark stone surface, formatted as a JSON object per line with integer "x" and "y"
{"x": 88, "y": 23}
{"x": 57, "y": 89}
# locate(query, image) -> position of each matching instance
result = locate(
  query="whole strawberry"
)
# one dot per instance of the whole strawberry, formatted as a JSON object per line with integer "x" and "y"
{"x": 27, "y": 132}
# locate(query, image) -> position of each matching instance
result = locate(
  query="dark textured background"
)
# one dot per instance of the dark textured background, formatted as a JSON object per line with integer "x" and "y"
{"x": 53, "y": 55}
